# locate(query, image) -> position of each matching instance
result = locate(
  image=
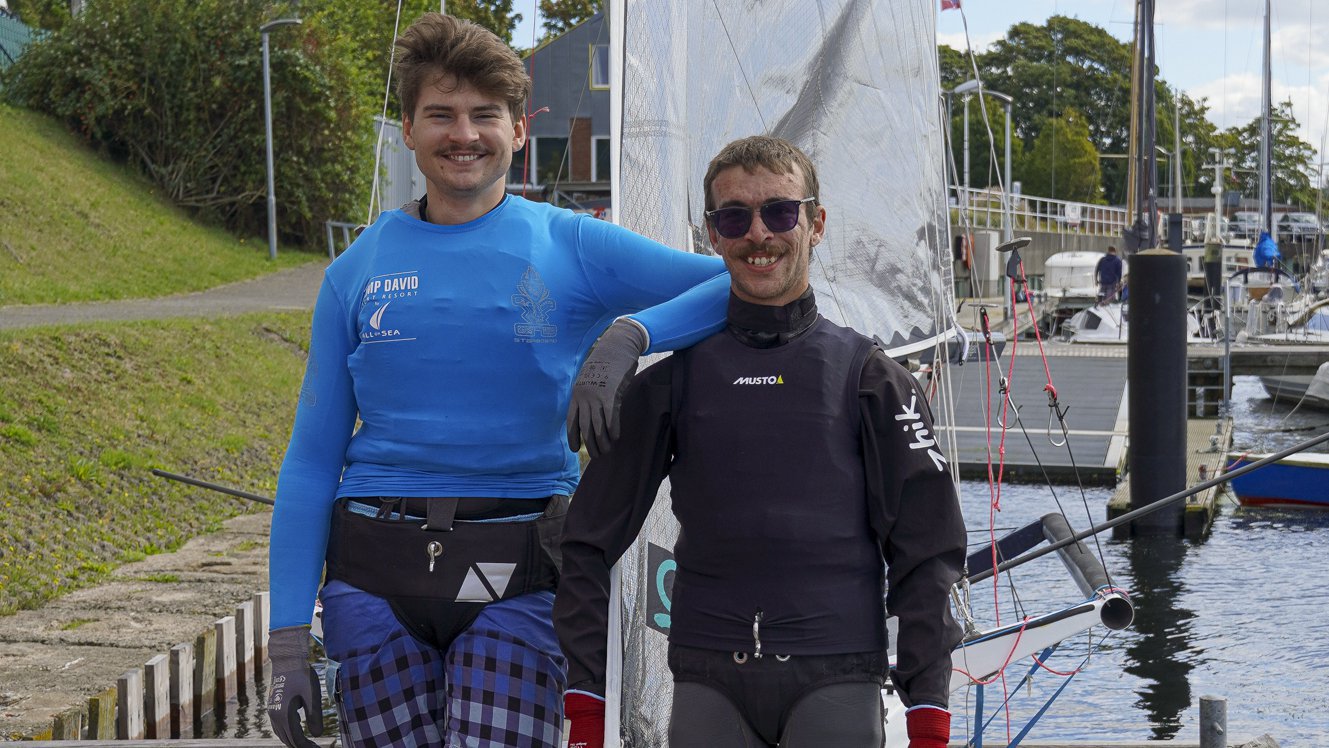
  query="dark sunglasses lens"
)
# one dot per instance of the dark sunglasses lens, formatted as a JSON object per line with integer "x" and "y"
{"x": 782, "y": 216}
{"x": 732, "y": 223}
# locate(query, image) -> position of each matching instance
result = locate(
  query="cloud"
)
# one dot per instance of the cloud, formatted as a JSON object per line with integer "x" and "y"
{"x": 1216, "y": 14}
{"x": 1235, "y": 100}
{"x": 980, "y": 42}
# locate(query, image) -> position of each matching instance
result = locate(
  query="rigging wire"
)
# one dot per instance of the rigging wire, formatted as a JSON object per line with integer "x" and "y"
{"x": 374, "y": 197}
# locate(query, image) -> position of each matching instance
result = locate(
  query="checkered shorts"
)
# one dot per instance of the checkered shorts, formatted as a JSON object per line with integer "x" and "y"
{"x": 499, "y": 685}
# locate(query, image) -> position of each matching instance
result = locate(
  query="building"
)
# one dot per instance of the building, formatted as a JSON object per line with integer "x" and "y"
{"x": 566, "y": 159}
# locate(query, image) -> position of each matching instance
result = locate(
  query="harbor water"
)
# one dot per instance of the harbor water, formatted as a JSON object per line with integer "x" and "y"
{"x": 1239, "y": 614}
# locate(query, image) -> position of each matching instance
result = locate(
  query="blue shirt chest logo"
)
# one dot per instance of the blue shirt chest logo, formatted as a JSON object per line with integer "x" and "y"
{"x": 535, "y": 302}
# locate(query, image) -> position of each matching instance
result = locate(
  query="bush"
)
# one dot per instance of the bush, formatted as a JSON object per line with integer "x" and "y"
{"x": 175, "y": 87}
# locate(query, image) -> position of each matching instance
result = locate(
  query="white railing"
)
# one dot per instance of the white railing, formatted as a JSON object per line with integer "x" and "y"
{"x": 982, "y": 208}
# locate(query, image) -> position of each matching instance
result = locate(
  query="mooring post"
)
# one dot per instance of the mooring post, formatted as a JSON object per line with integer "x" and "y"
{"x": 1213, "y": 722}
{"x": 1156, "y": 371}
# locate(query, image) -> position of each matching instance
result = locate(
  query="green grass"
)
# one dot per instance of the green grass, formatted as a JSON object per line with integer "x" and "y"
{"x": 86, "y": 412}
{"x": 77, "y": 227}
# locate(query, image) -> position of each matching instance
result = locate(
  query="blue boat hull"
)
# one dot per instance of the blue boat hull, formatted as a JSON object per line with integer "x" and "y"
{"x": 1296, "y": 482}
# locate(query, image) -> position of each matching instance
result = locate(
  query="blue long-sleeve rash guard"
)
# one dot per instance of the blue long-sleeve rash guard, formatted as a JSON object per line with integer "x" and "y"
{"x": 456, "y": 346}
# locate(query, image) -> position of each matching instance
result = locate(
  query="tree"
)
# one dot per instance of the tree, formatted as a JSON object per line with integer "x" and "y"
{"x": 495, "y": 15}
{"x": 1294, "y": 159}
{"x": 986, "y": 158}
{"x": 175, "y": 88}
{"x": 1063, "y": 163}
{"x": 560, "y": 15}
{"x": 51, "y": 15}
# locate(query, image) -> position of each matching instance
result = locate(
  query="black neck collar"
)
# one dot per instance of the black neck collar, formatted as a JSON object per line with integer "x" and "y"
{"x": 768, "y": 326}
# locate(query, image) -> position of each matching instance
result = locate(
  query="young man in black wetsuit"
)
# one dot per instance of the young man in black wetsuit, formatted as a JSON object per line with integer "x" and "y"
{"x": 805, "y": 476}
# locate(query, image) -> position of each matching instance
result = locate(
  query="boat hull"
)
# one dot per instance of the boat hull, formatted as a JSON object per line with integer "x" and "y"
{"x": 1300, "y": 482}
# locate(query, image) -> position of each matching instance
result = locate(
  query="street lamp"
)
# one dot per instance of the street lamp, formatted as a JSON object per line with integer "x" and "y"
{"x": 267, "y": 122}
{"x": 1006, "y": 100}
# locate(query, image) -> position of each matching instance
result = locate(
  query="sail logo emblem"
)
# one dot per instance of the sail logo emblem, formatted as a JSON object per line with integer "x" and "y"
{"x": 536, "y": 302}
{"x": 776, "y": 379}
{"x": 485, "y": 582}
{"x": 911, "y": 419}
{"x": 376, "y": 321}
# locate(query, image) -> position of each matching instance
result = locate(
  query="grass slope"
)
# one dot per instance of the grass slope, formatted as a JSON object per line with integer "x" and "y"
{"x": 87, "y": 411}
{"x": 76, "y": 227}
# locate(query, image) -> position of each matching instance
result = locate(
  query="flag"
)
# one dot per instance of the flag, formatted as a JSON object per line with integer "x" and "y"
{"x": 950, "y": 4}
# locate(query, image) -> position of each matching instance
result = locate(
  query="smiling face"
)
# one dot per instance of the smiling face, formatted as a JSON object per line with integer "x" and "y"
{"x": 463, "y": 140}
{"x": 765, "y": 267}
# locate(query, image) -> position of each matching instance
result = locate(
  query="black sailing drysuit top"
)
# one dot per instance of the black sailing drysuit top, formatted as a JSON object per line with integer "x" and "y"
{"x": 801, "y": 459}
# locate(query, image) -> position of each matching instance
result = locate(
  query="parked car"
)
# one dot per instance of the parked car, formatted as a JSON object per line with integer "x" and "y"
{"x": 1245, "y": 224}
{"x": 1298, "y": 227}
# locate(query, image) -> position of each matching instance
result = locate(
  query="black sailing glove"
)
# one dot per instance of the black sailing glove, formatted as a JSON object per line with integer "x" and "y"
{"x": 598, "y": 391}
{"x": 294, "y": 686}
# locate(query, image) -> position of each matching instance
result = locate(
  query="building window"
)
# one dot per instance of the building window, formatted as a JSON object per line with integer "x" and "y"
{"x": 600, "y": 165}
{"x": 599, "y": 66}
{"x": 549, "y": 160}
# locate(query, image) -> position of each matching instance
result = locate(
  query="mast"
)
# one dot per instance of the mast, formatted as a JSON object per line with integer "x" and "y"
{"x": 1266, "y": 139}
{"x": 1144, "y": 156}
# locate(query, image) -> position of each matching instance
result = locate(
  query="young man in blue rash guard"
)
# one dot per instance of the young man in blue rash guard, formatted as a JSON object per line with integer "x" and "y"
{"x": 804, "y": 474}
{"x": 452, "y": 329}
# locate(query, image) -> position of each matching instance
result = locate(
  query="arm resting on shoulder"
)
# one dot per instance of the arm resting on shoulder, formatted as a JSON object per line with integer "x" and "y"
{"x": 608, "y": 510}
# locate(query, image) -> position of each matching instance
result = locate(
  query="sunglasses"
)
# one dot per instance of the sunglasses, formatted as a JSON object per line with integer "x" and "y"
{"x": 779, "y": 216}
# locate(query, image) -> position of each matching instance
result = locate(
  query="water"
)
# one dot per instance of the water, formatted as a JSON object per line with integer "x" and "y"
{"x": 1239, "y": 615}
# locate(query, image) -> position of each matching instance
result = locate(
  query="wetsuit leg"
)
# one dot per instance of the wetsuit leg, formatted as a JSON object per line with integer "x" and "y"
{"x": 390, "y": 688}
{"x": 506, "y": 676}
{"x": 704, "y": 716}
{"x": 846, "y": 715}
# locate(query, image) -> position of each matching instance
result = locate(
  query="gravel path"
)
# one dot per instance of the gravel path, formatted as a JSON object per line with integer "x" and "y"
{"x": 285, "y": 290}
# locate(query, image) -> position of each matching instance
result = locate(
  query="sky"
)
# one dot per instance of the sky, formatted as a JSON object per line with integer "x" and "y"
{"x": 1209, "y": 49}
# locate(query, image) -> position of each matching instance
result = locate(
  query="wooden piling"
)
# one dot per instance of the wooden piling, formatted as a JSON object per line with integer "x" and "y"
{"x": 262, "y": 618}
{"x": 157, "y": 697}
{"x": 205, "y": 675}
{"x": 129, "y": 706}
{"x": 101, "y": 715}
{"x": 68, "y": 725}
{"x": 227, "y": 685}
{"x": 244, "y": 641}
{"x": 182, "y": 691}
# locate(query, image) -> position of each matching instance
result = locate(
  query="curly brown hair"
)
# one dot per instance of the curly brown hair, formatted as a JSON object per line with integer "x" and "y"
{"x": 776, "y": 155}
{"x": 472, "y": 54}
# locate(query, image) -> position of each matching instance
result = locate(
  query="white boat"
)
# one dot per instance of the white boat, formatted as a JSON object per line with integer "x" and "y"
{"x": 1109, "y": 324}
{"x": 1299, "y": 390}
{"x": 1068, "y": 278}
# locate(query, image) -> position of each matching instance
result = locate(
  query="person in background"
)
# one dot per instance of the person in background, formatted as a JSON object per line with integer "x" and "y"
{"x": 452, "y": 330}
{"x": 805, "y": 476}
{"x": 1107, "y": 273}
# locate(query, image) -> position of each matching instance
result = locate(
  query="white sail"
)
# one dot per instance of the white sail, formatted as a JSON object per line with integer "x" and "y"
{"x": 854, "y": 83}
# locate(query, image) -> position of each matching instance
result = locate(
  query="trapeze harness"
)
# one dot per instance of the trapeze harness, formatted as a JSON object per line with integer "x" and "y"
{"x": 439, "y": 561}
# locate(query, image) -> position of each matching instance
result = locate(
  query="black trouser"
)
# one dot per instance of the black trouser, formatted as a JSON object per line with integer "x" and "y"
{"x": 795, "y": 702}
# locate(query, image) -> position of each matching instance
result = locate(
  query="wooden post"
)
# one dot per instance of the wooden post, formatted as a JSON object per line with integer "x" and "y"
{"x": 1213, "y": 722}
{"x": 157, "y": 697}
{"x": 101, "y": 715}
{"x": 226, "y": 682}
{"x": 182, "y": 691}
{"x": 205, "y": 674}
{"x": 68, "y": 725}
{"x": 129, "y": 706}
{"x": 262, "y": 618}
{"x": 244, "y": 641}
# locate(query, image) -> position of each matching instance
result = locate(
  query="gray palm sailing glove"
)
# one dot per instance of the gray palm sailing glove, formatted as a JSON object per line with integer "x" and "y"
{"x": 598, "y": 391}
{"x": 294, "y": 686}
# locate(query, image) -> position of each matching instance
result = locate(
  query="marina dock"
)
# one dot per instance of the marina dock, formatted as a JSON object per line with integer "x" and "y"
{"x": 1208, "y": 441}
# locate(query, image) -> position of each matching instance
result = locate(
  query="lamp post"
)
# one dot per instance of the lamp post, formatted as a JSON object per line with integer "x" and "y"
{"x": 267, "y": 123}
